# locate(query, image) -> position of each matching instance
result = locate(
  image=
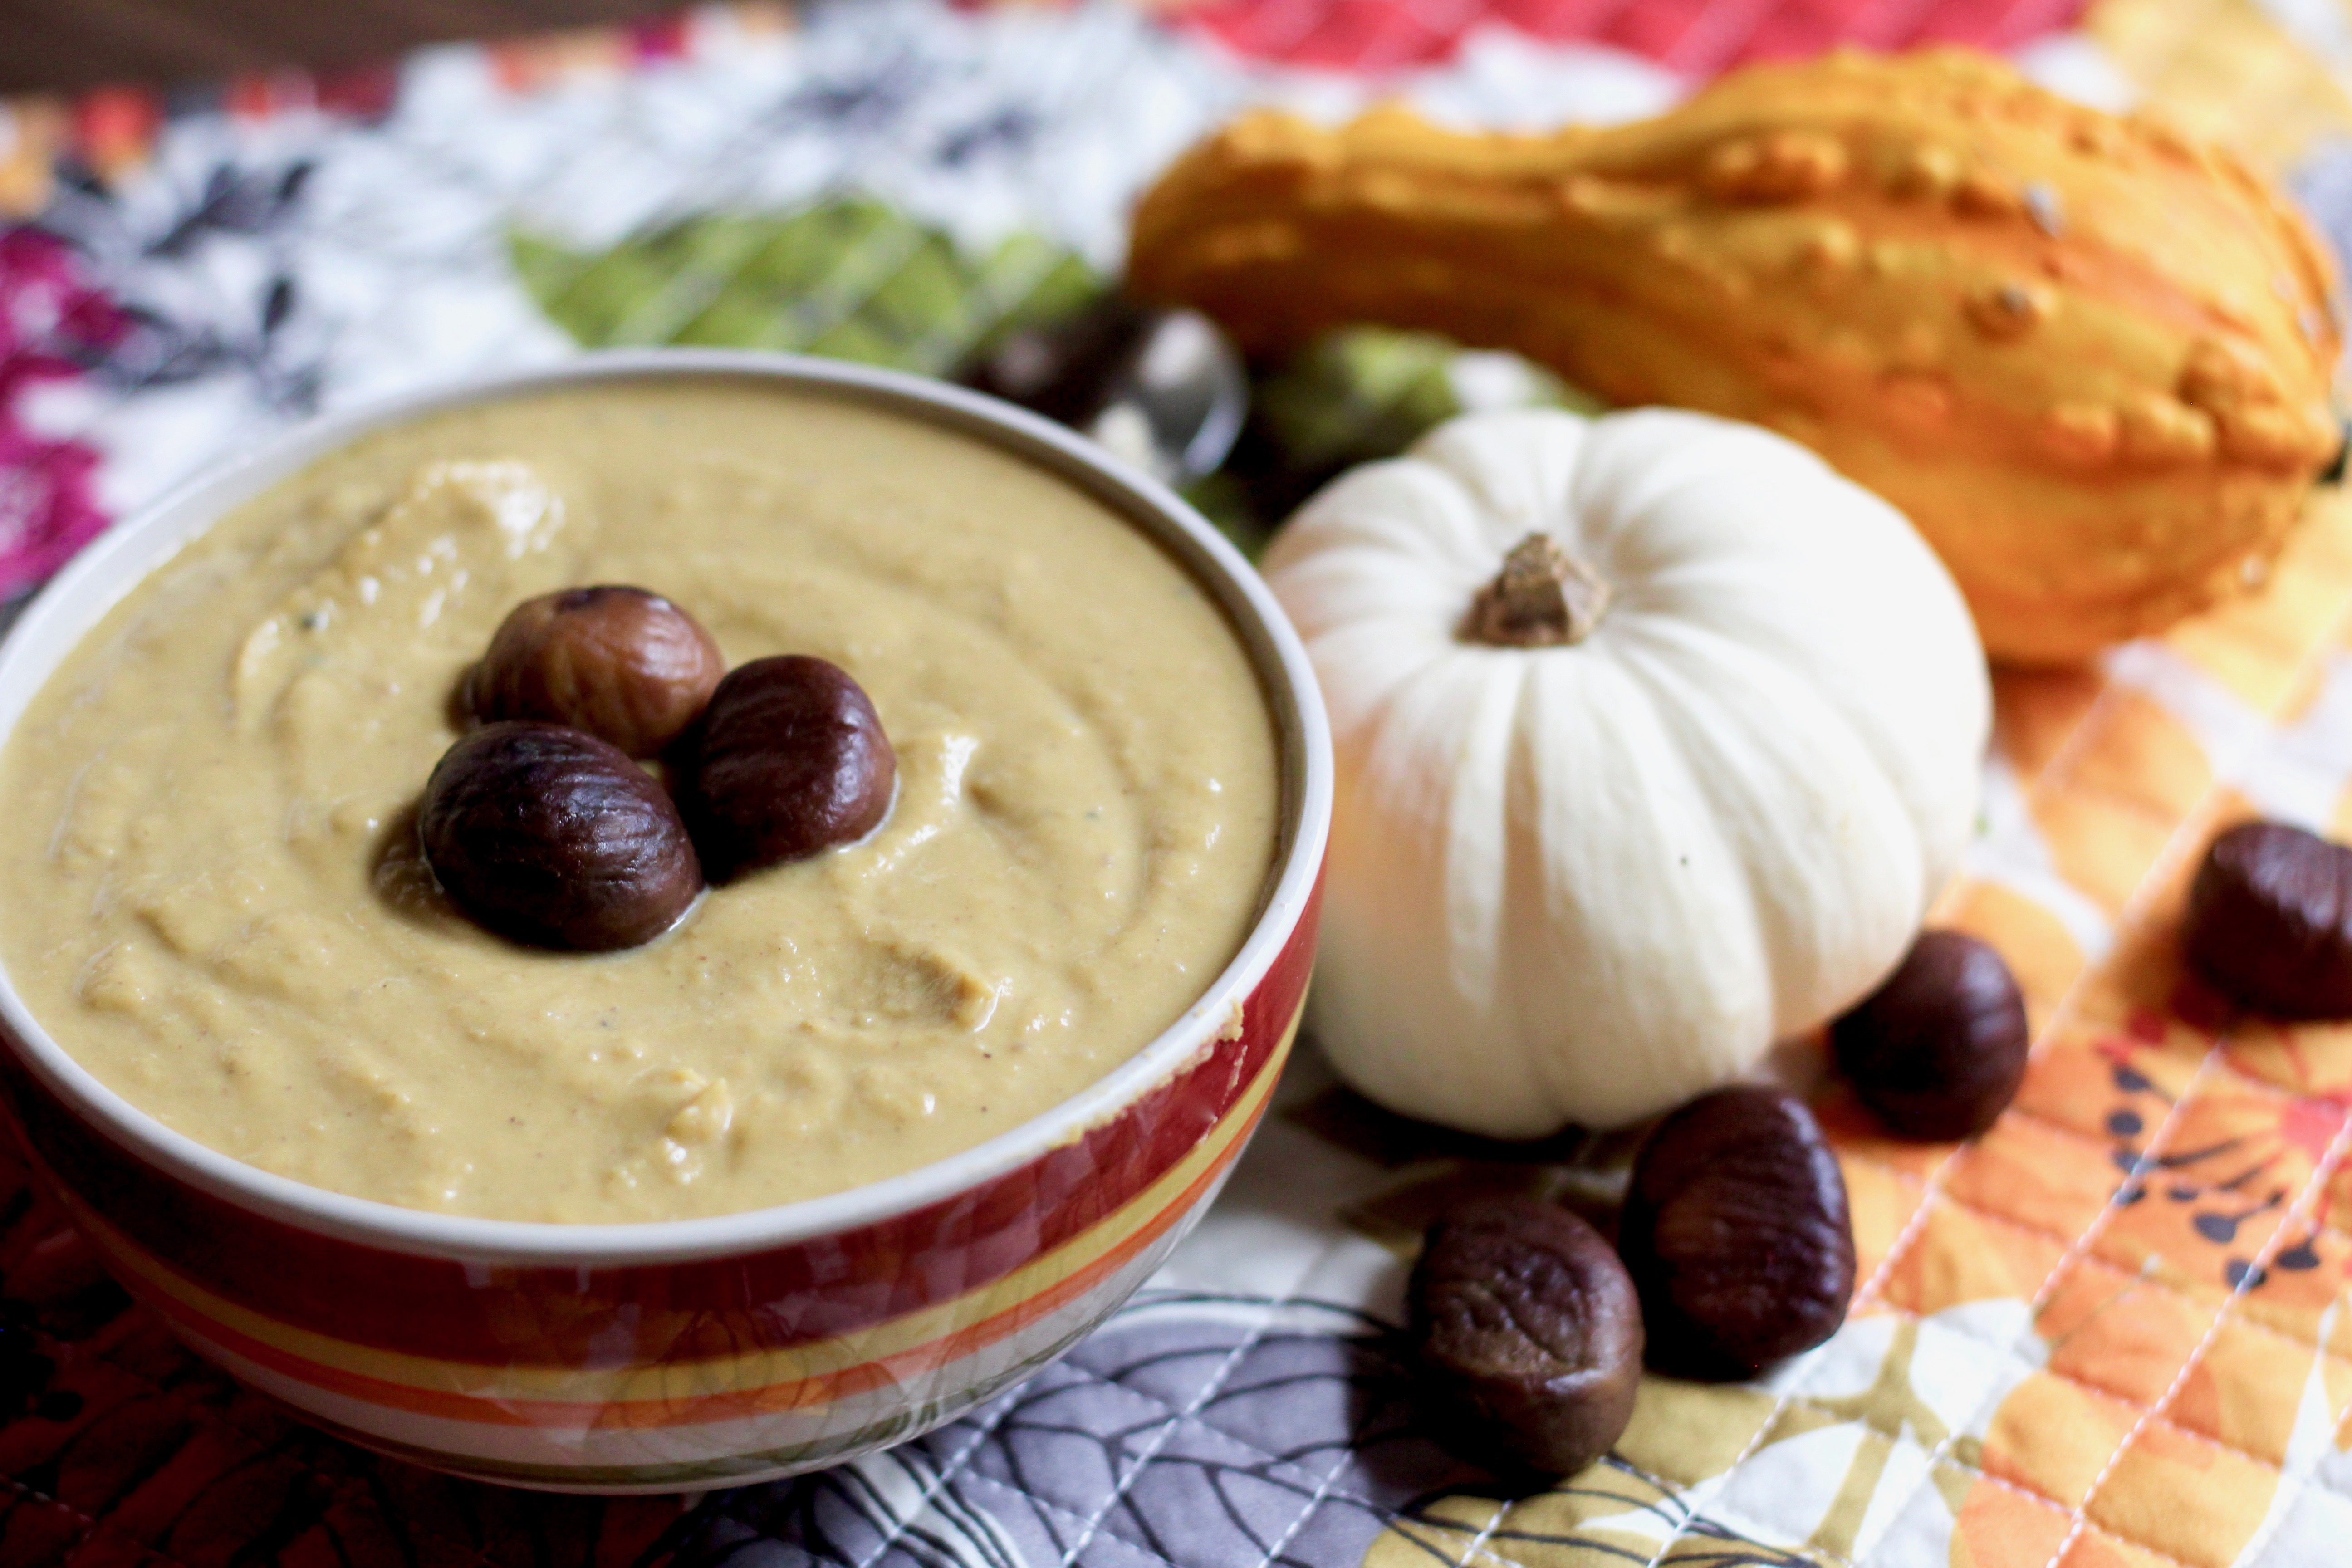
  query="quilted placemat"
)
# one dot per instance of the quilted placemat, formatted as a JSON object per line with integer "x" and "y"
{"x": 2113, "y": 1331}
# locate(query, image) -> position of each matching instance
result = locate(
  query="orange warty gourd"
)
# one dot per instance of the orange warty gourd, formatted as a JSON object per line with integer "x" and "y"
{"x": 2086, "y": 355}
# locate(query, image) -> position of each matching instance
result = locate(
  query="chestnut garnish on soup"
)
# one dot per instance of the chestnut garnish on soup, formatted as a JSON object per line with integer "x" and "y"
{"x": 548, "y": 835}
{"x": 626, "y": 666}
{"x": 1063, "y": 839}
{"x": 790, "y": 758}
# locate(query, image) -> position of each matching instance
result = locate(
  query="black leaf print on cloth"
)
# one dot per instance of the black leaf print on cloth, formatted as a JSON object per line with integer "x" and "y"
{"x": 204, "y": 272}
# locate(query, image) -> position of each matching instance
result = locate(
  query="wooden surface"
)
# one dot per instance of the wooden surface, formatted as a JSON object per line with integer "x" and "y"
{"x": 53, "y": 43}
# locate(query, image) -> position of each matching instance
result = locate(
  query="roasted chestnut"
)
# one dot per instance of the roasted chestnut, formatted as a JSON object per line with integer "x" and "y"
{"x": 623, "y": 664}
{"x": 789, "y": 758}
{"x": 1938, "y": 1050}
{"x": 548, "y": 835}
{"x": 1736, "y": 1234}
{"x": 2269, "y": 920}
{"x": 1528, "y": 1333}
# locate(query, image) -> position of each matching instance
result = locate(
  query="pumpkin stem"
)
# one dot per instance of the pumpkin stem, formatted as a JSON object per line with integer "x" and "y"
{"x": 1543, "y": 597}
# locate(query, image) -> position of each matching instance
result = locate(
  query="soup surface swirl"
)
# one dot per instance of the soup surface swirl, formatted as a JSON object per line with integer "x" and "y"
{"x": 216, "y": 903}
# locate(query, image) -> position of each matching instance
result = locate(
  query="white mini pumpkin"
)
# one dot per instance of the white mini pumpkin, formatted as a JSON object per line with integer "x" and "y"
{"x": 1680, "y": 780}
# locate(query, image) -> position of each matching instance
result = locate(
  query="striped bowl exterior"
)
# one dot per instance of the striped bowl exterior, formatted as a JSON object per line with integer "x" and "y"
{"x": 703, "y": 1352}
{"x": 692, "y": 1373}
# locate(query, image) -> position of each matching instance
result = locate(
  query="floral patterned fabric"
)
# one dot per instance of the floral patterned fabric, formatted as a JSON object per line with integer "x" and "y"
{"x": 2112, "y": 1331}
{"x": 52, "y": 325}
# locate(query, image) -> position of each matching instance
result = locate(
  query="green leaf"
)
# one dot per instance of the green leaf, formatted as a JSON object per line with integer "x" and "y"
{"x": 850, "y": 276}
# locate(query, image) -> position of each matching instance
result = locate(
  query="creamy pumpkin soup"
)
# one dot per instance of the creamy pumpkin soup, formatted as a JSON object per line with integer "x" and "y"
{"x": 218, "y": 904}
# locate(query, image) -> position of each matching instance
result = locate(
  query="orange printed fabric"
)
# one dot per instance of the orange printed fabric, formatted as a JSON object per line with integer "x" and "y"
{"x": 2115, "y": 1332}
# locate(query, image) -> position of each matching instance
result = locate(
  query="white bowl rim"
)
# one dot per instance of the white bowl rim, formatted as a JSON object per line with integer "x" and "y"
{"x": 82, "y": 594}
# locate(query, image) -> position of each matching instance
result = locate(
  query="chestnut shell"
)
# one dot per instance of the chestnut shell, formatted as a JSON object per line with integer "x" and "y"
{"x": 1737, "y": 1235}
{"x": 2269, "y": 920}
{"x": 789, "y": 759}
{"x": 1938, "y": 1050}
{"x": 1527, "y": 1334}
{"x": 550, "y": 836}
{"x": 622, "y": 663}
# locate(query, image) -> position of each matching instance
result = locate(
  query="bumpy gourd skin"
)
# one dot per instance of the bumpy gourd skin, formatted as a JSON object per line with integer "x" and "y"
{"x": 2088, "y": 357}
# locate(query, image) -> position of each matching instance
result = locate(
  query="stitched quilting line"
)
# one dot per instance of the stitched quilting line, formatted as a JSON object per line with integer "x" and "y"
{"x": 2332, "y": 1157}
{"x": 1781, "y": 1402}
{"x": 213, "y": 1417}
{"x": 2214, "y": 1058}
{"x": 2291, "y": 1487}
{"x": 984, "y": 1425}
{"x": 2074, "y": 1251}
{"x": 1666, "y": 1485}
{"x": 2074, "y": 1256}
{"x": 1913, "y": 1226}
{"x": 1485, "y": 1538}
{"x": 2223, "y": 1316}
{"x": 2252, "y": 1087}
{"x": 1931, "y": 1184}
{"x": 1165, "y": 1411}
{"x": 955, "y": 1464}
{"x": 2337, "y": 1235}
{"x": 1486, "y": 1532}
{"x": 1941, "y": 1454}
{"x": 1036, "y": 1414}
{"x": 1681, "y": 1488}
{"x": 1997, "y": 1219}
{"x": 1271, "y": 1465}
{"x": 1046, "y": 1505}
{"x": 2131, "y": 917}
{"x": 1732, "y": 1519}
{"x": 2283, "y": 1092}
{"x": 2224, "y": 1320}
{"x": 1932, "y": 1191}
{"x": 1683, "y": 1528}
{"x": 1122, "y": 1484}
{"x": 2064, "y": 761}
{"x": 1721, "y": 1481}
{"x": 1323, "y": 1489}
{"x": 1311, "y": 1499}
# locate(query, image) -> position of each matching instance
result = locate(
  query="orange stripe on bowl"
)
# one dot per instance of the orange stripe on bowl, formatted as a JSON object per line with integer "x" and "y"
{"x": 623, "y": 1412}
{"x": 304, "y": 1356}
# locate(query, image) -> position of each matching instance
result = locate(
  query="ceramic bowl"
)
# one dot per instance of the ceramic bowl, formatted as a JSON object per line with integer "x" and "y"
{"x": 704, "y": 1352}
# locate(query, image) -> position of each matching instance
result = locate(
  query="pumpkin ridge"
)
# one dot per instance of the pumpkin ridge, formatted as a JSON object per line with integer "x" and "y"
{"x": 1784, "y": 701}
{"x": 2051, "y": 336}
{"x": 1580, "y": 885}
